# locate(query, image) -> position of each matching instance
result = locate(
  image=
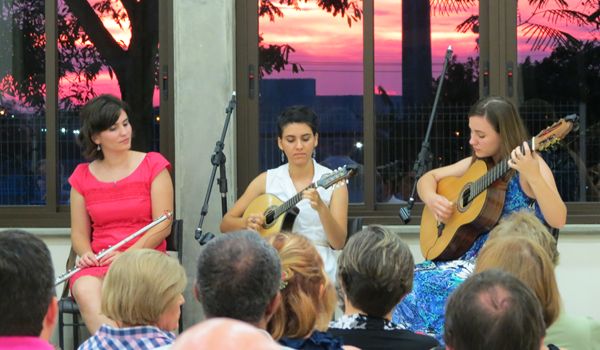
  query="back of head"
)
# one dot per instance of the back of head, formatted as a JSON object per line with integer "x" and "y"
{"x": 528, "y": 261}
{"x": 98, "y": 114}
{"x": 140, "y": 285}
{"x": 493, "y": 310}
{"x": 504, "y": 118}
{"x": 526, "y": 224}
{"x": 224, "y": 334}
{"x": 238, "y": 276}
{"x": 27, "y": 280}
{"x": 297, "y": 114}
{"x": 376, "y": 270}
{"x": 308, "y": 297}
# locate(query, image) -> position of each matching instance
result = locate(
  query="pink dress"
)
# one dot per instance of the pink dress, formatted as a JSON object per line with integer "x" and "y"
{"x": 117, "y": 209}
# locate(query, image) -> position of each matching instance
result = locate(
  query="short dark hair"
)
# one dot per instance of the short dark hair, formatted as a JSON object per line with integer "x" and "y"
{"x": 238, "y": 276}
{"x": 298, "y": 114}
{"x": 27, "y": 283}
{"x": 494, "y": 310}
{"x": 99, "y": 114}
{"x": 375, "y": 270}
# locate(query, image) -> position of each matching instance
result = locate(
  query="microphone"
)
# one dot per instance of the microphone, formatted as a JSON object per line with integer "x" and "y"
{"x": 231, "y": 104}
{"x": 447, "y": 58}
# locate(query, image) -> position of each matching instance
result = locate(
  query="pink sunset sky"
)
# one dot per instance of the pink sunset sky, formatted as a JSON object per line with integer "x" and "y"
{"x": 331, "y": 52}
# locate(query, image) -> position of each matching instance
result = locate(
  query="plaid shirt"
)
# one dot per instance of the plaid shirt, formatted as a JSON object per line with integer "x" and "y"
{"x": 128, "y": 338}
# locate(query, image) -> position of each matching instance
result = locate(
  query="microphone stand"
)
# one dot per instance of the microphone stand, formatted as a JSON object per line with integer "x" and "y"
{"x": 420, "y": 164}
{"x": 217, "y": 160}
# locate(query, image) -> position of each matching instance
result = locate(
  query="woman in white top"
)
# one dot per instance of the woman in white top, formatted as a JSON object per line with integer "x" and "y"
{"x": 323, "y": 212}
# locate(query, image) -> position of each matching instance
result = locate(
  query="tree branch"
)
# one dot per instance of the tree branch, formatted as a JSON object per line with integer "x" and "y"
{"x": 99, "y": 35}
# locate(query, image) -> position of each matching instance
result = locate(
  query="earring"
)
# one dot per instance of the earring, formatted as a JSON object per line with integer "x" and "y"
{"x": 282, "y": 157}
{"x": 98, "y": 148}
{"x": 314, "y": 155}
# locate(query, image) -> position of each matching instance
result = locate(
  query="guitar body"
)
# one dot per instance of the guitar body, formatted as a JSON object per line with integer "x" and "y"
{"x": 268, "y": 202}
{"x": 469, "y": 219}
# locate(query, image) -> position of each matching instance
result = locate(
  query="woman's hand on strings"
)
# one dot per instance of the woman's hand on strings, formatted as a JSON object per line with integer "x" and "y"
{"x": 255, "y": 222}
{"x": 523, "y": 160}
{"x": 314, "y": 198}
{"x": 441, "y": 207}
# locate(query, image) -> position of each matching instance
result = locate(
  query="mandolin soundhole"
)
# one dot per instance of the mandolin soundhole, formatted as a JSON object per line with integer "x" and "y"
{"x": 269, "y": 217}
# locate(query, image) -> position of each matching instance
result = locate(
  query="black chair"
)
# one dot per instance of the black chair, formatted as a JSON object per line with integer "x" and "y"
{"x": 67, "y": 305}
{"x": 355, "y": 224}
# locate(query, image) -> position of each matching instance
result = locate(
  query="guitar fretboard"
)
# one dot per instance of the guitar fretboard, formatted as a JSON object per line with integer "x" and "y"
{"x": 492, "y": 175}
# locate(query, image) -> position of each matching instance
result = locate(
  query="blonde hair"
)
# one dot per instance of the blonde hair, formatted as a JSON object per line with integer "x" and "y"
{"x": 525, "y": 224}
{"x": 140, "y": 285}
{"x": 308, "y": 296}
{"x": 526, "y": 260}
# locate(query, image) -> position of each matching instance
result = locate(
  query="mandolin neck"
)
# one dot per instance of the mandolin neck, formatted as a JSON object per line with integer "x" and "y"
{"x": 290, "y": 203}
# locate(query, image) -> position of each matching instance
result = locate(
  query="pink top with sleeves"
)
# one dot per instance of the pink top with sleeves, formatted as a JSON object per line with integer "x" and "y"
{"x": 117, "y": 209}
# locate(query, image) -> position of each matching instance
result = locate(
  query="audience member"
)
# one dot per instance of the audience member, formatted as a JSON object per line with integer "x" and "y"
{"x": 566, "y": 331}
{"x": 493, "y": 310}
{"x": 142, "y": 294}
{"x": 238, "y": 277}
{"x": 28, "y": 304}
{"x": 525, "y": 224}
{"x": 308, "y": 297}
{"x": 224, "y": 334}
{"x": 527, "y": 261}
{"x": 375, "y": 271}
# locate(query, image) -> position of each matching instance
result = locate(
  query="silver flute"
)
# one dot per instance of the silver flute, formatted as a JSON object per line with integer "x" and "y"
{"x": 65, "y": 276}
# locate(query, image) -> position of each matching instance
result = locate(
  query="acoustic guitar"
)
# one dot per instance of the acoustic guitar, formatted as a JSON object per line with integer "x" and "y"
{"x": 478, "y": 198}
{"x": 279, "y": 215}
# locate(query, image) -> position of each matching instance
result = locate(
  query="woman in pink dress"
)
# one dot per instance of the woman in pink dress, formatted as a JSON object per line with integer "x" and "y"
{"x": 116, "y": 194}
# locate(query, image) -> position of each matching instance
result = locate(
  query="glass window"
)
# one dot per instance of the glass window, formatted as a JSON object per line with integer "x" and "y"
{"x": 411, "y": 40}
{"x": 558, "y": 52}
{"x": 123, "y": 63}
{"x": 302, "y": 63}
{"x": 22, "y": 103}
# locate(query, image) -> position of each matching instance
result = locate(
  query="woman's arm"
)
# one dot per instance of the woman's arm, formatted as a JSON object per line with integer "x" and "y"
{"x": 233, "y": 219}
{"x": 81, "y": 231}
{"x": 427, "y": 188}
{"x": 333, "y": 218}
{"x": 538, "y": 183}
{"x": 161, "y": 195}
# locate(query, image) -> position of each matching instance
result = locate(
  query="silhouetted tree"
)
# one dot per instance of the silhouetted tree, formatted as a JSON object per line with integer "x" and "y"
{"x": 85, "y": 48}
{"x": 275, "y": 57}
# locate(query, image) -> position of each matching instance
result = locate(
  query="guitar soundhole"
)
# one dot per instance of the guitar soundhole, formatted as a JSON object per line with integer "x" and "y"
{"x": 465, "y": 197}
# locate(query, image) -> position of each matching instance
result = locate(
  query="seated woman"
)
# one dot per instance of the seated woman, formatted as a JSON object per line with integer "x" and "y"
{"x": 113, "y": 196}
{"x": 497, "y": 133}
{"x": 142, "y": 294}
{"x": 569, "y": 332}
{"x": 375, "y": 271}
{"x": 527, "y": 261}
{"x": 323, "y": 213}
{"x": 308, "y": 297}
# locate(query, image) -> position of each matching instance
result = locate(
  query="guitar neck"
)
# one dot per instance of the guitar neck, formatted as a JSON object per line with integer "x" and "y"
{"x": 290, "y": 203}
{"x": 493, "y": 174}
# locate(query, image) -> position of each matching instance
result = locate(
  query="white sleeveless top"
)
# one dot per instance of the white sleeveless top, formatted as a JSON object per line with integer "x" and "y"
{"x": 307, "y": 222}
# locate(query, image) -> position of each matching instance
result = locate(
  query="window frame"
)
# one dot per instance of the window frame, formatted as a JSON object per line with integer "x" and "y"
{"x": 52, "y": 214}
{"x": 498, "y": 22}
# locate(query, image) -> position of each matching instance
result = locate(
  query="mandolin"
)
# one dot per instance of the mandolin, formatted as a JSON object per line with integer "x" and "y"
{"x": 279, "y": 215}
